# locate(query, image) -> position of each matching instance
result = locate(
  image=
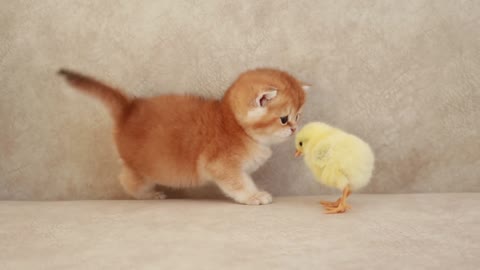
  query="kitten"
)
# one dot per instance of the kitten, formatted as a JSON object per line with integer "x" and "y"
{"x": 187, "y": 141}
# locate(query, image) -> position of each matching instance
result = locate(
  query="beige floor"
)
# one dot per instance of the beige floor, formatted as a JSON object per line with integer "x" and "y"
{"x": 431, "y": 231}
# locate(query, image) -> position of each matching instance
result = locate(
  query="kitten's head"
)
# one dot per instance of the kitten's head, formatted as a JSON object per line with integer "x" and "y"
{"x": 267, "y": 103}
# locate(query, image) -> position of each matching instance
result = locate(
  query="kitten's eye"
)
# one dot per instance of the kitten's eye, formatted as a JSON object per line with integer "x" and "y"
{"x": 284, "y": 120}
{"x": 300, "y": 143}
{"x": 297, "y": 117}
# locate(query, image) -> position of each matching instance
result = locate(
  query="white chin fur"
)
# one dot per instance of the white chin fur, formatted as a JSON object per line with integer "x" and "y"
{"x": 278, "y": 137}
{"x": 284, "y": 133}
{"x": 275, "y": 138}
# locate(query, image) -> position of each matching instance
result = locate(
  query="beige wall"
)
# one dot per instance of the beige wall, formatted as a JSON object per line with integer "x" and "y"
{"x": 404, "y": 75}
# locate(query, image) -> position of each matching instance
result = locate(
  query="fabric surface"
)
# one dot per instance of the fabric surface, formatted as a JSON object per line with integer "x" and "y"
{"x": 431, "y": 231}
{"x": 403, "y": 75}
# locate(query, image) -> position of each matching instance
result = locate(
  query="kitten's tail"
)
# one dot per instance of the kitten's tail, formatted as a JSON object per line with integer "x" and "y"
{"x": 114, "y": 99}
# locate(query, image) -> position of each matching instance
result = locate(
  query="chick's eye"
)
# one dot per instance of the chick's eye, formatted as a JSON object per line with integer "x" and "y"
{"x": 284, "y": 120}
{"x": 300, "y": 143}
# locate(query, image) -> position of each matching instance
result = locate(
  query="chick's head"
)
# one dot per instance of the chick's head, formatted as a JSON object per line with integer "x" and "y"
{"x": 309, "y": 134}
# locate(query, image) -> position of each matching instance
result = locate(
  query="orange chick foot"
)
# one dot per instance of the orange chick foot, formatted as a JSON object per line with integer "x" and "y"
{"x": 330, "y": 204}
{"x": 341, "y": 208}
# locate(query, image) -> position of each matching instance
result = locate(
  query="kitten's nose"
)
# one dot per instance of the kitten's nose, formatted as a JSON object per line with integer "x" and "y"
{"x": 293, "y": 129}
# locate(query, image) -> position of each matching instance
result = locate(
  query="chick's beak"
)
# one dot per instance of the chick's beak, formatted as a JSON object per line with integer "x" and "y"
{"x": 298, "y": 153}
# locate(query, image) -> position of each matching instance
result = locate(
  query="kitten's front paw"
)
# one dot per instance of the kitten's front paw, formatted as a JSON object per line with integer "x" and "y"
{"x": 259, "y": 198}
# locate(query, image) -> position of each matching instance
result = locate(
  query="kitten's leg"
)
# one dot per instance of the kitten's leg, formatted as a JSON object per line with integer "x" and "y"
{"x": 242, "y": 189}
{"x": 135, "y": 186}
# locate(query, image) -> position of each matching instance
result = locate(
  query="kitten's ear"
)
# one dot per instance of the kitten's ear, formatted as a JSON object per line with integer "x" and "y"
{"x": 306, "y": 86}
{"x": 264, "y": 97}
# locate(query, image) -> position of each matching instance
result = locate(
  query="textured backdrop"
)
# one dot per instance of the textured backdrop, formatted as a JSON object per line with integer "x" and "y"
{"x": 404, "y": 75}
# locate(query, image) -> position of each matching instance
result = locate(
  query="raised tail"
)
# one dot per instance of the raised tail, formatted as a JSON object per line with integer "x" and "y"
{"x": 114, "y": 99}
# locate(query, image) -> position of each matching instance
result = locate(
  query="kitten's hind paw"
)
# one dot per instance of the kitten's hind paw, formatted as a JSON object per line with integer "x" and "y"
{"x": 154, "y": 195}
{"x": 159, "y": 195}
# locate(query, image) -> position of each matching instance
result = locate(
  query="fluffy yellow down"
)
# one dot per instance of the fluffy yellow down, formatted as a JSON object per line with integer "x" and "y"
{"x": 336, "y": 158}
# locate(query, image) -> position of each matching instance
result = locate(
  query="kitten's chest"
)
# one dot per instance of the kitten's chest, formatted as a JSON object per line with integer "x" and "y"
{"x": 258, "y": 156}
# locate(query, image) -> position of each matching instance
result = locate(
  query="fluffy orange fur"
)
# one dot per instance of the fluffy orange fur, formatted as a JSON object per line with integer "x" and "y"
{"x": 186, "y": 141}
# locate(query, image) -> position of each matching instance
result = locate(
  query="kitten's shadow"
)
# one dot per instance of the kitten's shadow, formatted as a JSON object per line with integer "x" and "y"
{"x": 209, "y": 192}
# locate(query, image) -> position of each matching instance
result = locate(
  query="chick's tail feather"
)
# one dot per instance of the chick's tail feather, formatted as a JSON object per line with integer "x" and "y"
{"x": 115, "y": 100}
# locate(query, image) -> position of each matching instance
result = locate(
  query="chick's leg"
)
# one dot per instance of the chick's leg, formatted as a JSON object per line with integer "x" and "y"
{"x": 342, "y": 203}
{"x": 335, "y": 203}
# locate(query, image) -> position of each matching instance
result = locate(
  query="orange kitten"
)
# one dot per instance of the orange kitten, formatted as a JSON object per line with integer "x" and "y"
{"x": 186, "y": 141}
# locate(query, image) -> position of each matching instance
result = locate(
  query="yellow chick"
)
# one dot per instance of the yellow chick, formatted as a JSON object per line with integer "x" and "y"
{"x": 337, "y": 159}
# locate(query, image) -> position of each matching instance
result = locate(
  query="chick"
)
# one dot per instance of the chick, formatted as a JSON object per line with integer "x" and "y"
{"x": 337, "y": 159}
